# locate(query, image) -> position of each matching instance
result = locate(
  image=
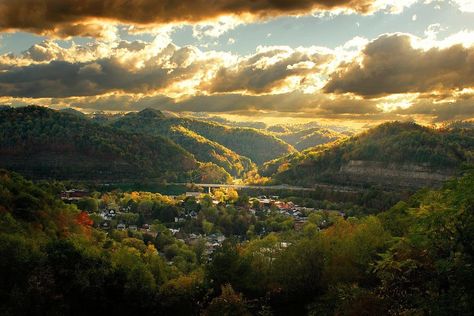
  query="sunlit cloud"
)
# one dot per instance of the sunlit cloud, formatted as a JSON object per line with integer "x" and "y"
{"x": 401, "y": 63}
{"x": 465, "y": 5}
{"x": 391, "y": 76}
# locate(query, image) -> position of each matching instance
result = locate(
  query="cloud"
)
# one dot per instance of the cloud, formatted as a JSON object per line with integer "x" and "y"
{"x": 294, "y": 103}
{"x": 391, "y": 64}
{"x": 50, "y": 70}
{"x": 64, "y": 18}
{"x": 127, "y": 71}
{"x": 216, "y": 28}
{"x": 465, "y": 5}
{"x": 391, "y": 77}
{"x": 460, "y": 109}
{"x": 269, "y": 69}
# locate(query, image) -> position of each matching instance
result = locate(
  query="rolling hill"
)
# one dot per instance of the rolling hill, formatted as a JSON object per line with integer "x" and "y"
{"x": 392, "y": 154}
{"x": 44, "y": 143}
{"x": 230, "y": 148}
{"x": 311, "y": 137}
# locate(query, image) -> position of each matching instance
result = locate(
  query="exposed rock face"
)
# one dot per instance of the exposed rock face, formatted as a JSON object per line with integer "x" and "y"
{"x": 403, "y": 175}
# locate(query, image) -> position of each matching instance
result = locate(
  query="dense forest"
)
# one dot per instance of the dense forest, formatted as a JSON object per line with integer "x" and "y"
{"x": 44, "y": 143}
{"x": 238, "y": 142}
{"x": 311, "y": 137}
{"x": 414, "y": 259}
{"x": 153, "y": 122}
{"x": 392, "y": 144}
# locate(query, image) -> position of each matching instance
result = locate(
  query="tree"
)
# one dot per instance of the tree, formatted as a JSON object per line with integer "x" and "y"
{"x": 87, "y": 204}
{"x": 229, "y": 303}
{"x": 207, "y": 227}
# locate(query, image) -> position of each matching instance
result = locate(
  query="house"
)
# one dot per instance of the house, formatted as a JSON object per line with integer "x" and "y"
{"x": 193, "y": 194}
{"x": 105, "y": 225}
{"x": 73, "y": 194}
{"x": 179, "y": 219}
{"x": 132, "y": 227}
{"x": 216, "y": 238}
{"x": 174, "y": 231}
{"x": 192, "y": 214}
{"x": 264, "y": 202}
{"x": 121, "y": 226}
{"x": 126, "y": 209}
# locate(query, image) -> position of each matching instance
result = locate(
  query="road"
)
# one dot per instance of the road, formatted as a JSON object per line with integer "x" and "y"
{"x": 271, "y": 187}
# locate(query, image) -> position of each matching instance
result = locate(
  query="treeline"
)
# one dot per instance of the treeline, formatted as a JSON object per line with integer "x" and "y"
{"x": 413, "y": 259}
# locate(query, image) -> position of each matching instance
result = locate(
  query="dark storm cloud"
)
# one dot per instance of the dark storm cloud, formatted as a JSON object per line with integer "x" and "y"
{"x": 390, "y": 64}
{"x": 72, "y": 17}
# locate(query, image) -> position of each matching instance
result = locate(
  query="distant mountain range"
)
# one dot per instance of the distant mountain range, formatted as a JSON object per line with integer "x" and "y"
{"x": 43, "y": 143}
{"x": 392, "y": 154}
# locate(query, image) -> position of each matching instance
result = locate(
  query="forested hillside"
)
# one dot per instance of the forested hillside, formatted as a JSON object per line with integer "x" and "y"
{"x": 413, "y": 259}
{"x": 153, "y": 122}
{"x": 391, "y": 153}
{"x": 311, "y": 137}
{"x": 238, "y": 142}
{"x": 43, "y": 143}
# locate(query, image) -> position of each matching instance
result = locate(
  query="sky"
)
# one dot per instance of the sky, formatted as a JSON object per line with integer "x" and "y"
{"x": 361, "y": 61}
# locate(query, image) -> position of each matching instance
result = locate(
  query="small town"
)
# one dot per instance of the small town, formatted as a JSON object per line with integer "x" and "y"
{"x": 195, "y": 218}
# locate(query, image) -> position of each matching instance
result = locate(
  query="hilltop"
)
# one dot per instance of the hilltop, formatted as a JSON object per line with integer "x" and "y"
{"x": 392, "y": 154}
{"x": 44, "y": 143}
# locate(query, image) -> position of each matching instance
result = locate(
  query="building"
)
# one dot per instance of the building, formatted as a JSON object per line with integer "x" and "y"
{"x": 121, "y": 226}
{"x": 193, "y": 194}
{"x": 73, "y": 194}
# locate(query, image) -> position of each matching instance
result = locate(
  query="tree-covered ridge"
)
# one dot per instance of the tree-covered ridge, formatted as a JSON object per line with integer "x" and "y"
{"x": 311, "y": 137}
{"x": 257, "y": 146}
{"x": 208, "y": 151}
{"x": 443, "y": 149}
{"x": 152, "y": 122}
{"x": 44, "y": 143}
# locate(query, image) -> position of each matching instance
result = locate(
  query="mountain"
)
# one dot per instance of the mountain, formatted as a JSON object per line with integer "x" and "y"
{"x": 224, "y": 121}
{"x": 392, "y": 154}
{"x": 73, "y": 112}
{"x": 310, "y": 137}
{"x": 209, "y": 142}
{"x": 44, "y": 143}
